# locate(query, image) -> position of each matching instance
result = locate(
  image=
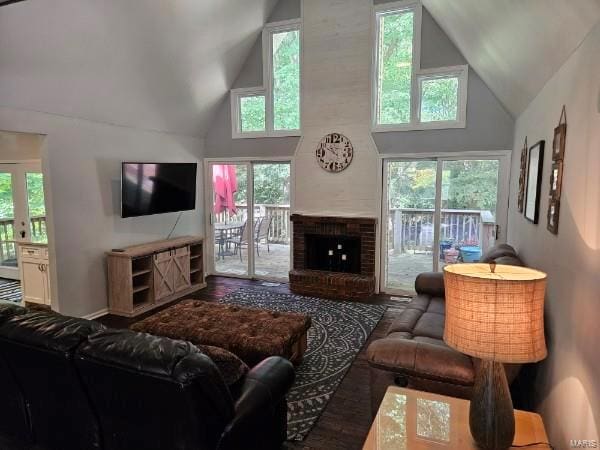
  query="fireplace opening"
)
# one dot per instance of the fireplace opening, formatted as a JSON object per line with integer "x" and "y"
{"x": 332, "y": 253}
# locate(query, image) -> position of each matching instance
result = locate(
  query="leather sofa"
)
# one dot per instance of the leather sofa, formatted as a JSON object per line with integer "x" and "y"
{"x": 70, "y": 383}
{"x": 414, "y": 355}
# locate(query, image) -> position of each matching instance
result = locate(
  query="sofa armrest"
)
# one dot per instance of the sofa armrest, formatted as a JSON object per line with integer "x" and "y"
{"x": 260, "y": 409}
{"x": 430, "y": 283}
{"x": 422, "y": 359}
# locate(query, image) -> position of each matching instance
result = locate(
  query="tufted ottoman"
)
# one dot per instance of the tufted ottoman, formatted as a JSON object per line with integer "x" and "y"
{"x": 251, "y": 334}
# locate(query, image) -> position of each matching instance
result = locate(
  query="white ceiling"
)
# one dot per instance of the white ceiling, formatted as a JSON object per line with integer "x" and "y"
{"x": 162, "y": 65}
{"x": 515, "y": 45}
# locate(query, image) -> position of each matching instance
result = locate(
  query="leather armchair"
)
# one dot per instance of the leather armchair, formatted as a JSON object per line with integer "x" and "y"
{"x": 80, "y": 386}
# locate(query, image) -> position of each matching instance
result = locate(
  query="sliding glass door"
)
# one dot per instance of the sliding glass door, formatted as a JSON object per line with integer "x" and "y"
{"x": 439, "y": 211}
{"x": 250, "y": 218}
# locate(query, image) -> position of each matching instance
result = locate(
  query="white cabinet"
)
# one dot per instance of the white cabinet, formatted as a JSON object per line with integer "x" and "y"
{"x": 35, "y": 274}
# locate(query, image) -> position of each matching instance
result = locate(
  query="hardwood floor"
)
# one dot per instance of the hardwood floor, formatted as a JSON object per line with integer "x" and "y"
{"x": 347, "y": 418}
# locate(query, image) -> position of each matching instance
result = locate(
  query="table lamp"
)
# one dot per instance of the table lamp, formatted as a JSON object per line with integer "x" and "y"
{"x": 494, "y": 313}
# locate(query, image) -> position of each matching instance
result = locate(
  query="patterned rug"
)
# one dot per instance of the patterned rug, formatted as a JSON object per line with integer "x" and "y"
{"x": 338, "y": 332}
{"x": 10, "y": 290}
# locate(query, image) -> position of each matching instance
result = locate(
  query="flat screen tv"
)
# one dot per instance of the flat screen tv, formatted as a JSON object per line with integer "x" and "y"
{"x": 156, "y": 188}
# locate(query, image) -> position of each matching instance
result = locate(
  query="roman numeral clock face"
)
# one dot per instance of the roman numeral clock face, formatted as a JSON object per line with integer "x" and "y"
{"x": 334, "y": 152}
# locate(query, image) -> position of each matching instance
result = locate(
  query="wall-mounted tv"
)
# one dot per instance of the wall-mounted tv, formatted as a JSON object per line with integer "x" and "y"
{"x": 156, "y": 188}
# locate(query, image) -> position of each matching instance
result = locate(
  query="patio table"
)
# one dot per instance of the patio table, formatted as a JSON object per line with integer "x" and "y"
{"x": 224, "y": 231}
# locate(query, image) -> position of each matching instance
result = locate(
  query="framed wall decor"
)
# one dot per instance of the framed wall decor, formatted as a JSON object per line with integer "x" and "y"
{"x": 556, "y": 176}
{"x": 534, "y": 182}
{"x": 560, "y": 137}
{"x": 556, "y": 180}
{"x": 522, "y": 174}
{"x": 553, "y": 214}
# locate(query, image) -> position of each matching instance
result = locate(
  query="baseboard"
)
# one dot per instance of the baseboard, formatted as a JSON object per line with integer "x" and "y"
{"x": 97, "y": 314}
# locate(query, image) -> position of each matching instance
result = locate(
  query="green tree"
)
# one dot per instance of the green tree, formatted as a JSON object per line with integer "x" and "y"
{"x": 252, "y": 113}
{"x": 395, "y": 67}
{"x": 466, "y": 184}
{"x": 439, "y": 96}
{"x": 286, "y": 80}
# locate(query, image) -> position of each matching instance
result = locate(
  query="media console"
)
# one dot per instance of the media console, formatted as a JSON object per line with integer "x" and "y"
{"x": 146, "y": 276}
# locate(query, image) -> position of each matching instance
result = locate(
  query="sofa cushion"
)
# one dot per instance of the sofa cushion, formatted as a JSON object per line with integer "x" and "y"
{"x": 232, "y": 368}
{"x": 430, "y": 325}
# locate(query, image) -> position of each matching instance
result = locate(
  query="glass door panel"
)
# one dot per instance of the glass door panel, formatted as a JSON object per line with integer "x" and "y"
{"x": 36, "y": 207}
{"x": 411, "y": 195}
{"x": 468, "y": 209}
{"x": 272, "y": 220}
{"x": 8, "y": 250}
{"x": 230, "y": 216}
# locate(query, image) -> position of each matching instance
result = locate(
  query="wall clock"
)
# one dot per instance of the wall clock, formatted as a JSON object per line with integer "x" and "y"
{"x": 334, "y": 153}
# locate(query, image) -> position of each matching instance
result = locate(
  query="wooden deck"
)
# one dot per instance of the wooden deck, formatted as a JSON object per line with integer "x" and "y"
{"x": 403, "y": 268}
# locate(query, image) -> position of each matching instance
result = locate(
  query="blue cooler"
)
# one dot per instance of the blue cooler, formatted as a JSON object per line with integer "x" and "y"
{"x": 470, "y": 254}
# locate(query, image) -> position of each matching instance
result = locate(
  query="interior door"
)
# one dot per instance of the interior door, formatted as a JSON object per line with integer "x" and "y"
{"x": 438, "y": 211}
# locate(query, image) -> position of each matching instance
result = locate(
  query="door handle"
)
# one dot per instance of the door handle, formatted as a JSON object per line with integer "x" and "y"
{"x": 23, "y": 233}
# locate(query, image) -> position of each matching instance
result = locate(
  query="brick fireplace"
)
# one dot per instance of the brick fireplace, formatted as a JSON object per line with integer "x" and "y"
{"x": 333, "y": 256}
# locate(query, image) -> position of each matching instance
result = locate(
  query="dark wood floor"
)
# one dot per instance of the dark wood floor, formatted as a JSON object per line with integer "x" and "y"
{"x": 347, "y": 418}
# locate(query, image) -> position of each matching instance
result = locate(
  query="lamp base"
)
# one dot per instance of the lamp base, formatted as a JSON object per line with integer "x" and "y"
{"x": 491, "y": 414}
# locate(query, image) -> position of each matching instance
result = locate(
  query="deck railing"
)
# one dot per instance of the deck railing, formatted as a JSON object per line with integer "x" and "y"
{"x": 279, "y": 232}
{"x": 8, "y": 248}
{"x": 412, "y": 229}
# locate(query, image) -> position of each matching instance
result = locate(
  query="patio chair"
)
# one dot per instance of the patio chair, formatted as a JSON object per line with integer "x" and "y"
{"x": 239, "y": 240}
{"x": 262, "y": 232}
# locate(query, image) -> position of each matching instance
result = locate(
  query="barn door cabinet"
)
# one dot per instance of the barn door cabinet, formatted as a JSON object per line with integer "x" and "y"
{"x": 143, "y": 277}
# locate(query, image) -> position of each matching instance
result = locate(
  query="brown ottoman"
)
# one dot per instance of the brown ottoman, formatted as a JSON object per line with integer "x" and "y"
{"x": 251, "y": 334}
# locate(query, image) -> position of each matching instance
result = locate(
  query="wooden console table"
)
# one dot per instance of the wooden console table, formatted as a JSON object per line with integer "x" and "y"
{"x": 146, "y": 276}
{"x": 418, "y": 420}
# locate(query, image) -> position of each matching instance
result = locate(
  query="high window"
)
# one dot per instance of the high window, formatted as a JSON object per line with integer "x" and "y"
{"x": 274, "y": 109}
{"x": 404, "y": 96}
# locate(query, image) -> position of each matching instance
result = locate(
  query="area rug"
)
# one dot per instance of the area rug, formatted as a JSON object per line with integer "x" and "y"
{"x": 338, "y": 332}
{"x": 10, "y": 290}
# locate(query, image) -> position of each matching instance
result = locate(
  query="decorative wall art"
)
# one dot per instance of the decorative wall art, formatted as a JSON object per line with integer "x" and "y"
{"x": 534, "y": 182}
{"x": 334, "y": 153}
{"x": 556, "y": 176}
{"x": 553, "y": 212}
{"x": 522, "y": 174}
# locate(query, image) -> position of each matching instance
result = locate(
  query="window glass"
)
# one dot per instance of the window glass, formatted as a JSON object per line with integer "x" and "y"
{"x": 286, "y": 80}
{"x": 37, "y": 207}
{"x": 395, "y": 61}
{"x": 252, "y": 113}
{"x": 439, "y": 99}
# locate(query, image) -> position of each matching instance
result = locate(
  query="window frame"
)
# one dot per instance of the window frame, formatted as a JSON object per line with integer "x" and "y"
{"x": 236, "y": 112}
{"x": 416, "y": 76}
{"x": 267, "y": 88}
{"x": 461, "y": 72}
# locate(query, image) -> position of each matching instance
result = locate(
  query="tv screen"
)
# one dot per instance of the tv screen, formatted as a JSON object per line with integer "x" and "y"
{"x": 155, "y": 188}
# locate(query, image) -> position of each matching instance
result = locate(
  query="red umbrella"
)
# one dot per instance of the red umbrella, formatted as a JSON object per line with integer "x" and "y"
{"x": 224, "y": 187}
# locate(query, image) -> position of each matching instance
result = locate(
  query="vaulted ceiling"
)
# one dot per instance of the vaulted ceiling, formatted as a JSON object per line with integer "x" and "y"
{"x": 516, "y": 45}
{"x": 166, "y": 65}
{"x": 162, "y": 65}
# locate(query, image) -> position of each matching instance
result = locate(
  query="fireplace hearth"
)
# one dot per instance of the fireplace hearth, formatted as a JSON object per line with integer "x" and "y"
{"x": 333, "y": 256}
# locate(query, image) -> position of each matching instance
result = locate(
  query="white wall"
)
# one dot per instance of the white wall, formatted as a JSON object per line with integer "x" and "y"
{"x": 567, "y": 388}
{"x": 336, "y": 97}
{"x": 20, "y": 146}
{"x": 82, "y": 161}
